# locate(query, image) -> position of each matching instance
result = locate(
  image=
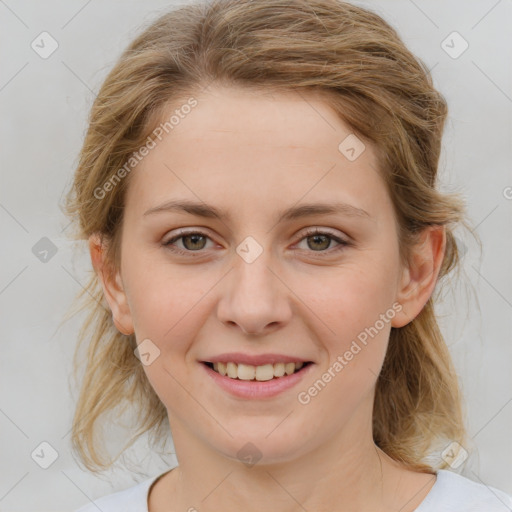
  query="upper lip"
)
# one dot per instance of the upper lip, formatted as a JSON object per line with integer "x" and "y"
{"x": 255, "y": 360}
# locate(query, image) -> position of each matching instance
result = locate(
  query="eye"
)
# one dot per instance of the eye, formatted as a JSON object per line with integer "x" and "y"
{"x": 318, "y": 241}
{"x": 193, "y": 241}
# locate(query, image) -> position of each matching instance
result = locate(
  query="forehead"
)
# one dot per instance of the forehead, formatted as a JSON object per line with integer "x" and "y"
{"x": 242, "y": 145}
{"x": 299, "y": 120}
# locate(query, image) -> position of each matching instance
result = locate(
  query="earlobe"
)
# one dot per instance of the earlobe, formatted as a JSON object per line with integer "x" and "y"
{"x": 419, "y": 279}
{"x": 112, "y": 285}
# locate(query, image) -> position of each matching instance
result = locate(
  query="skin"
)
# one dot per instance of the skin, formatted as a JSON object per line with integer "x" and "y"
{"x": 254, "y": 154}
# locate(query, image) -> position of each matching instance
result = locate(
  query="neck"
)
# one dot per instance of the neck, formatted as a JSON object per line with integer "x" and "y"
{"x": 346, "y": 472}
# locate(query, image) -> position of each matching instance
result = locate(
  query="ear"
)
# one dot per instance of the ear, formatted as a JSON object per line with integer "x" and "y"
{"x": 112, "y": 286}
{"x": 419, "y": 279}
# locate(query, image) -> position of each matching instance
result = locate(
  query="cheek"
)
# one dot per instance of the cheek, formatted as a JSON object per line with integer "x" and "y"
{"x": 170, "y": 309}
{"x": 166, "y": 302}
{"x": 350, "y": 299}
{"x": 360, "y": 315}
{"x": 352, "y": 314}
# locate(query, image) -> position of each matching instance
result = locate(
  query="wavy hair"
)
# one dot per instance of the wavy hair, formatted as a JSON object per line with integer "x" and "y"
{"x": 362, "y": 69}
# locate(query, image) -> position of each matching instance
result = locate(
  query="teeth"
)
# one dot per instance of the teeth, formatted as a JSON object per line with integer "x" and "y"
{"x": 289, "y": 368}
{"x": 246, "y": 371}
{"x": 259, "y": 373}
{"x": 279, "y": 369}
{"x": 232, "y": 370}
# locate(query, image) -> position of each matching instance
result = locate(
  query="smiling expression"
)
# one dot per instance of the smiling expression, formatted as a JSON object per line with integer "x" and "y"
{"x": 251, "y": 172}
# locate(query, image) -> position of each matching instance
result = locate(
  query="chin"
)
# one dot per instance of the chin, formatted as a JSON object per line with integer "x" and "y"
{"x": 260, "y": 448}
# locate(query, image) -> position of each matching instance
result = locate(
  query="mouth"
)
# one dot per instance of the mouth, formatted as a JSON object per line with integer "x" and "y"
{"x": 260, "y": 373}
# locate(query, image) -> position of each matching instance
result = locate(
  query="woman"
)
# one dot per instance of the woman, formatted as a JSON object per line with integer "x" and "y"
{"x": 258, "y": 186}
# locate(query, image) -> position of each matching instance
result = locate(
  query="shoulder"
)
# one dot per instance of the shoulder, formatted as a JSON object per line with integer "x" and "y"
{"x": 132, "y": 499}
{"x": 455, "y": 493}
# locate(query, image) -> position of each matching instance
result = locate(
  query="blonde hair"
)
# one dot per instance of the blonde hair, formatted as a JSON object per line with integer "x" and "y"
{"x": 358, "y": 63}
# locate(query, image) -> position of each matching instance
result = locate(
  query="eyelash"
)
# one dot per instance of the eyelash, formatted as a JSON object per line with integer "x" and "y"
{"x": 311, "y": 232}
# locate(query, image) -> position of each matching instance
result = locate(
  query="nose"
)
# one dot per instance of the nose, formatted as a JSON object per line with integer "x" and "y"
{"x": 254, "y": 297}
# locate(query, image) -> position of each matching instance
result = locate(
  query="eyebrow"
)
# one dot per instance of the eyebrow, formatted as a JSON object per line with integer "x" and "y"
{"x": 295, "y": 212}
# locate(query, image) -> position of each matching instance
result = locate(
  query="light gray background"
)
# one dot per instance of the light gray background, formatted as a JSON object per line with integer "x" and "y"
{"x": 44, "y": 104}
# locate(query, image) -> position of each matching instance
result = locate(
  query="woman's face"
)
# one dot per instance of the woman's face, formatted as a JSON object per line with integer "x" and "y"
{"x": 254, "y": 282}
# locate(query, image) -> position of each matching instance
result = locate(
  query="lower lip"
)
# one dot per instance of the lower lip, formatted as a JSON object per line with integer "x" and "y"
{"x": 257, "y": 389}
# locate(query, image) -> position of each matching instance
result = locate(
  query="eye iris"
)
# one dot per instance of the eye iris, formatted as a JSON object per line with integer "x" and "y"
{"x": 316, "y": 237}
{"x": 194, "y": 237}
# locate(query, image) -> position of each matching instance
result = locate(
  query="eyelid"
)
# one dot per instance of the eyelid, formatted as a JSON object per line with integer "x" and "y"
{"x": 323, "y": 231}
{"x": 188, "y": 231}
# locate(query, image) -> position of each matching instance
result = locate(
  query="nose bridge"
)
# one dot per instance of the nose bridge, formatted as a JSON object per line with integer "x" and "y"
{"x": 252, "y": 270}
{"x": 253, "y": 297}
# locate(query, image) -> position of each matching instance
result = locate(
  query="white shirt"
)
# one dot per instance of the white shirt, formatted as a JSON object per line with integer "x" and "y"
{"x": 450, "y": 493}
